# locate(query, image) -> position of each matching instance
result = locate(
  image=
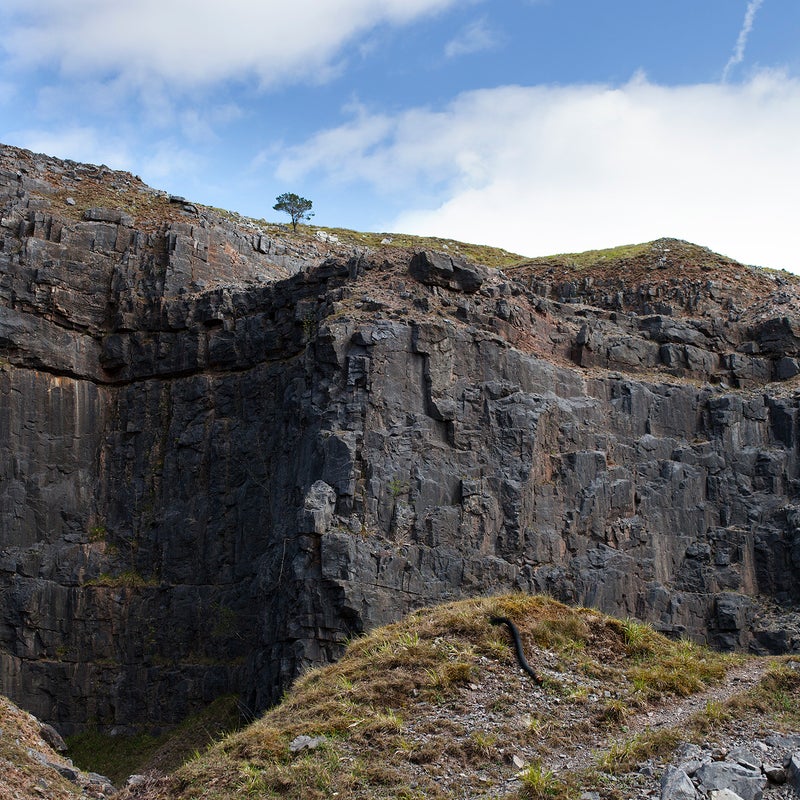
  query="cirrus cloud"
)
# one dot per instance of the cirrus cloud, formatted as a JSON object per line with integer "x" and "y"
{"x": 475, "y": 38}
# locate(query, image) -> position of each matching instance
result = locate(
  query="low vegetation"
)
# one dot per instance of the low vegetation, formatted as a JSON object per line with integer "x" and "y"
{"x": 119, "y": 756}
{"x": 591, "y": 258}
{"x": 24, "y": 775}
{"x": 476, "y": 253}
{"x": 437, "y": 707}
{"x": 663, "y": 261}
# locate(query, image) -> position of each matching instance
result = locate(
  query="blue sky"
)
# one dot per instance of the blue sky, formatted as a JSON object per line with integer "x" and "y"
{"x": 540, "y": 126}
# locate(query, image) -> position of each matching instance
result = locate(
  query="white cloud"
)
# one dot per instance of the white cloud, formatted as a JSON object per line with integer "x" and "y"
{"x": 195, "y": 42}
{"x": 80, "y": 142}
{"x": 198, "y": 126}
{"x": 475, "y": 38}
{"x": 556, "y": 169}
{"x": 168, "y": 161}
{"x": 159, "y": 161}
{"x": 741, "y": 42}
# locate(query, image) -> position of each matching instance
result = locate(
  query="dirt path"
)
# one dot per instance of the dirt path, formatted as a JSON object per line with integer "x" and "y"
{"x": 676, "y": 711}
{"x": 673, "y": 712}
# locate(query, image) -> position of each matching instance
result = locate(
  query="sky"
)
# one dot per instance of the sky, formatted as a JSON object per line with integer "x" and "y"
{"x": 539, "y": 126}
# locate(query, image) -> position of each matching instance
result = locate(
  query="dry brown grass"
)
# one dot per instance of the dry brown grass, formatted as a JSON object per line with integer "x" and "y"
{"x": 432, "y": 702}
{"x": 22, "y": 774}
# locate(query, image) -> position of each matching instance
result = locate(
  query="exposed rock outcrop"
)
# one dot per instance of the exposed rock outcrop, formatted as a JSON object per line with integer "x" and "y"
{"x": 34, "y": 764}
{"x": 215, "y": 468}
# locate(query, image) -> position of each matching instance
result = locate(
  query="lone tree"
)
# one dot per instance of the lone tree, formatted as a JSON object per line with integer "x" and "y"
{"x": 298, "y": 208}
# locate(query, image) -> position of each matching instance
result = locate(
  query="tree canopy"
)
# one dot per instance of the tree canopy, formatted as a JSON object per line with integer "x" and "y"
{"x": 298, "y": 208}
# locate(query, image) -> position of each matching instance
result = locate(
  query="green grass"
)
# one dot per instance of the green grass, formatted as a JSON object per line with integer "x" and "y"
{"x": 371, "y": 705}
{"x": 626, "y": 754}
{"x": 620, "y": 260}
{"x": 777, "y": 695}
{"x": 588, "y": 258}
{"x": 119, "y": 756}
{"x": 116, "y": 757}
{"x": 129, "y": 578}
{"x": 539, "y": 783}
{"x": 476, "y": 253}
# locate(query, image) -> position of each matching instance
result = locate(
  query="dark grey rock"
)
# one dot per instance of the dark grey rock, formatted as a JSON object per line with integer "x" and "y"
{"x": 783, "y": 741}
{"x": 720, "y": 775}
{"x": 53, "y": 738}
{"x": 241, "y": 451}
{"x": 65, "y": 771}
{"x": 449, "y": 272}
{"x": 774, "y": 774}
{"x": 793, "y": 771}
{"x": 108, "y": 215}
{"x": 786, "y": 368}
{"x": 676, "y": 785}
{"x": 744, "y": 757}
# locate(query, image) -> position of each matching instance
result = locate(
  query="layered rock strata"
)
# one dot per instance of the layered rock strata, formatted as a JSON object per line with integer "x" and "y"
{"x": 225, "y": 449}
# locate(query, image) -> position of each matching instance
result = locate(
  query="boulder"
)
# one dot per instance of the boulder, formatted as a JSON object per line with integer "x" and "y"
{"x": 53, "y": 738}
{"x": 318, "y": 508}
{"x": 449, "y": 272}
{"x": 676, "y": 785}
{"x": 719, "y": 775}
{"x": 793, "y": 771}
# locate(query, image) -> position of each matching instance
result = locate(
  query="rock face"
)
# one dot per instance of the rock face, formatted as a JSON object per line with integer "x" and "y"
{"x": 224, "y": 450}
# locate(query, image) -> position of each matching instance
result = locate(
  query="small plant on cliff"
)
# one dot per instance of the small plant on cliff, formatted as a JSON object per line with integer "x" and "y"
{"x": 97, "y": 533}
{"x": 397, "y": 487}
{"x": 298, "y": 208}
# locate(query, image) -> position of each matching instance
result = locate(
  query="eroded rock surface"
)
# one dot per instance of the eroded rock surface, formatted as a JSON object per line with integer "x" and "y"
{"x": 225, "y": 449}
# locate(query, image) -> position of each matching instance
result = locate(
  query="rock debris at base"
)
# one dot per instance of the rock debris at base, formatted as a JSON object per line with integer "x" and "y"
{"x": 759, "y": 768}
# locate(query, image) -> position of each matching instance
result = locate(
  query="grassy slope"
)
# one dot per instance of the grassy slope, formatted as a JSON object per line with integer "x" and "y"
{"x": 21, "y": 772}
{"x": 436, "y": 707}
{"x": 476, "y": 253}
{"x": 659, "y": 260}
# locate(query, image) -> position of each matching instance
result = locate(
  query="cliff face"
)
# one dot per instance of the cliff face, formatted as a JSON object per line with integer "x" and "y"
{"x": 225, "y": 449}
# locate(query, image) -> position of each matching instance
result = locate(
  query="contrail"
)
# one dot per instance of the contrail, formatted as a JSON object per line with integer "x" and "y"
{"x": 741, "y": 42}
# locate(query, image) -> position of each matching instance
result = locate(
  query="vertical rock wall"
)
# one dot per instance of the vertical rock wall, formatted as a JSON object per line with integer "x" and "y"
{"x": 213, "y": 472}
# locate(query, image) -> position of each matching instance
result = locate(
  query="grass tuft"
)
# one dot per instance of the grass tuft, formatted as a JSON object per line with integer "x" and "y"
{"x": 539, "y": 783}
